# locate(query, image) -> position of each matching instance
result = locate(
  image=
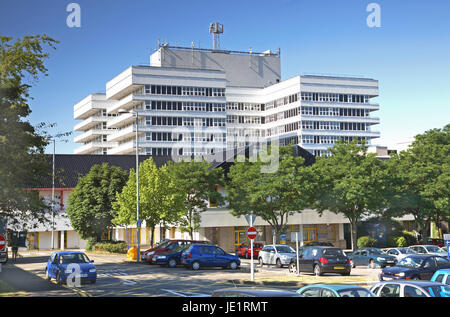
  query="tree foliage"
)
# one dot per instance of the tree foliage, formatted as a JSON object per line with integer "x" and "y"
{"x": 159, "y": 198}
{"x": 271, "y": 196}
{"x": 22, "y": 160}
{"x": 90, "y": 204}
{"x": 197, "y": 183}
{"x": 351, "y": 182}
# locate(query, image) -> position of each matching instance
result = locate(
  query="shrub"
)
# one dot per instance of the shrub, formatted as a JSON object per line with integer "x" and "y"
{"x": 366, "y": 242}
{"x": 400, "y": 242}
{"x": 109, "y": 246}
{"x": 410, "y": 237}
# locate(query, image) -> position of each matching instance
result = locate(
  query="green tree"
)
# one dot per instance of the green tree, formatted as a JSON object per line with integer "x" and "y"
{"x": 422, "y": 179}
{"x": 351, "y": 182}
{"x": 271, "y": 196}
{"x": 90, "y": 204}
{"x": 197, "y": 183}
{"x": 159, "y": 198}
{"x": 22, "y": 161}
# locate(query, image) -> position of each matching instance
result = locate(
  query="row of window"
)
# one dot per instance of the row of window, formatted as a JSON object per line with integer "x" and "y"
{"x": 281, "y": 101}
{"x": 243, "y": 119}
{"x": 156, "y": 151}
{"x": 183, "y": 91}
{"x": 183, "y": 121}
{"x": 331, "y": 111}
{"x": 344, "y": 126}
{"x": 245, "y": 106}
{"x": 329, "y": 97}
{"x": 328, "y": 139}
{"x": 188, "y": 137}
{"x": 184, "y": 106}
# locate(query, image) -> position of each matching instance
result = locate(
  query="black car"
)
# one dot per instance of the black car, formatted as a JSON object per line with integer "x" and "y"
{"x": 173, "y": 258}
{"x": 415, "y": 267}
{"x": 320, "y": 260}
{"x": 318, "y": 244}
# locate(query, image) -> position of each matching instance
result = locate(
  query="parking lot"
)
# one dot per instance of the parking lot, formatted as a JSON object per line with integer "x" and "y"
{"x": 116, "y": 277}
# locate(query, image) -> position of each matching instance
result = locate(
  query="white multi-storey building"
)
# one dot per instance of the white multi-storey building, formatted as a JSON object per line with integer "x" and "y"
{"x": 194, "y": 101}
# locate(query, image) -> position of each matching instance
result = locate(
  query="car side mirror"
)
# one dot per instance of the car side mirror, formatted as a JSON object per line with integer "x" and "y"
{"x": 92, "y": 261}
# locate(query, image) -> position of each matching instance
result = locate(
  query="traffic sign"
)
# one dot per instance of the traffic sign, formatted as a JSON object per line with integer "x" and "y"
{"x": 250, "y": 219}
{"x": 2, "y": 242}
{"x": 252, "y": 233}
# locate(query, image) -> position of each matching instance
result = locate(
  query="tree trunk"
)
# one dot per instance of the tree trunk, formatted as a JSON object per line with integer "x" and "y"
{"x": 354, "y": 234}
{"x": 152, "y": 237}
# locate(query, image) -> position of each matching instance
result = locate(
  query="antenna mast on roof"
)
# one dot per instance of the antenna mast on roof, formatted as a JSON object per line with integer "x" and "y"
{"x": 215, "y": 29}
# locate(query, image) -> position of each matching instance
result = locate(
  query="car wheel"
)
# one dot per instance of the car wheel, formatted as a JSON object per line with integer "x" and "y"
{"x": 233, "y": 265}
{"x": 345, "y": 274}
{"x": 317, "y": 270}
{"x": 196, "y": 265}
{"x": 261, "y": 262}
{"x": 279, "y": 265}
{"x": 47, "y": 275}
{"x": 293, "y": 268}
{"x": 172, "y": 263}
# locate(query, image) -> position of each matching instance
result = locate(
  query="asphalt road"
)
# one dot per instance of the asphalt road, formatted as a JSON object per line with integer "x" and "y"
{"x": 119, "y": 278}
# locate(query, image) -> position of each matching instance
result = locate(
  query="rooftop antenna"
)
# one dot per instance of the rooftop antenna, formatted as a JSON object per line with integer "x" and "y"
{"x": 215, "y": 29}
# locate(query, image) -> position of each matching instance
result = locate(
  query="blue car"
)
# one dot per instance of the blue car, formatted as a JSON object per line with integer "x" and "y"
{"x": 198, "y": 255}
{"x": 441, "y": 276}
{"x": 334, "y": 290}
{"x": 415, "y": 267}
{"x": 70, "y": 264}
{"x": 372, "y": 257}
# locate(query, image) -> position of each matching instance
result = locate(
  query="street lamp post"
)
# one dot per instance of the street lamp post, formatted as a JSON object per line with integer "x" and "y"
{"x": 138, "y": 221}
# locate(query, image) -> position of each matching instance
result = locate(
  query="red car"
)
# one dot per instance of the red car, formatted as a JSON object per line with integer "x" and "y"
{"x": 167, "y": 245}
{"x": 244, "y": 250}
{"x": 433, "y": 241}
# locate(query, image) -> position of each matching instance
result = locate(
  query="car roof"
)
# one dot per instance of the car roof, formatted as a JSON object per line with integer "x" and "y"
{"x": 258, "y": 292}
{"x": 335, "y": 286}
{"x": 447, "y": 271}
{"x": 418, "y": 283}
{"x": 69, "y": 252}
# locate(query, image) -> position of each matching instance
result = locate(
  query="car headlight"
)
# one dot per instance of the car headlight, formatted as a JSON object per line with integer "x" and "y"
{"x": 381, "y": 259}
{"x": 400, "y": 274}
{"x": 92, "y": 270}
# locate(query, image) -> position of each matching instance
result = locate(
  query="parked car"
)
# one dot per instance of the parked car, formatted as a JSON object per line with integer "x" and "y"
{"x": 166, "y": 246}
{"x": 318, "y": 243}
{"x": 371, "y": 257}
{"x": 433, "y": 241}
{"x": 202, "y": 255}
{"x": 171, "y": 258}
{"x": 334, "y": 290}
{"x": 57, "y": 267}
{"x": 400, "y": 253}
{"x": 428, "y": 249}
{"x": 244, "y": 250}
{"x": 410, "y": 289}
{"x": 441, "y": 276}
{"x": 415, "y": 267}
{"x": 278, "y": 254}
{"x": 320, "y": 260}
{"x": 253, "y": 292}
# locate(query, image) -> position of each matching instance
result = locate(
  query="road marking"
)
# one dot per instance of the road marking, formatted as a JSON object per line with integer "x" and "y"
{"x": 186, "y": 294}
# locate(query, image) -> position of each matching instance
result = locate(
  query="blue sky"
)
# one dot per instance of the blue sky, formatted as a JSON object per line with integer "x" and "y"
{"x": 409, "y": 54}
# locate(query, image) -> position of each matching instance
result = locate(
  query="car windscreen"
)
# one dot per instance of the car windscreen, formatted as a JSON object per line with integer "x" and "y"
{"x": 377, "y": 251}
{"x": 74, "y": 258}
{"x": 355, "y": 292}
{"x": 284, "y": 249}
{"x": 333, "y": 252}
{"x": 438, "y": 290}
{"x": 432, "y": 248}
{"x": 411, "y": 262}
{"x": 407, "y": 251}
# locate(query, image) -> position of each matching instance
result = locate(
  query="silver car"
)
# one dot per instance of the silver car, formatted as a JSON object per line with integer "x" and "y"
{"x": 410, "y": 289}
{"x": 278, "y": 254}
{"x": 428, "y": 249}
{"x": 400, "y": 253}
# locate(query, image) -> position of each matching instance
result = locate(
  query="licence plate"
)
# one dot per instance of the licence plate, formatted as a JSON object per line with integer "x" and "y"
{"x": 339, "y": 268}
{"x": 81, "y": 275}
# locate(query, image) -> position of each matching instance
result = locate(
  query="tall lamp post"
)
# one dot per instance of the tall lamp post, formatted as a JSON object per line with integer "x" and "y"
{"x": 53, "y": 139}
{"x": 138, "y": 221}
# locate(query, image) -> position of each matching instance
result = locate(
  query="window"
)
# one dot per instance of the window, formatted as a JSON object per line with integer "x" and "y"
{"x": 390, "y": 290}
{"x": 327, "y": 293}
{"x": 311, "y": 292}
{"x": 411, "y": 291}
{"x": 439, "y": 278}
{"x": 441, "y": 261}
